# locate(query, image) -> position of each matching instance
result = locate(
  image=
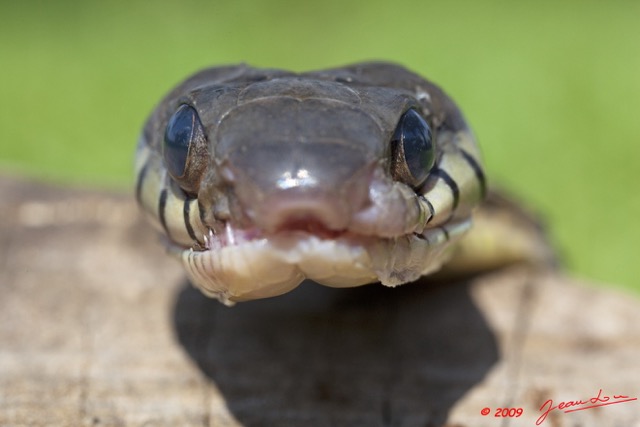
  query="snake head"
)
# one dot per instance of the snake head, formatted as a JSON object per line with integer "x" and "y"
{"x": 262, "y": 178}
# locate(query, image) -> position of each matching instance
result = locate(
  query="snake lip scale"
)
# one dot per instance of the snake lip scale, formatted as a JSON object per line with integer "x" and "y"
{"x": 262, "y": 178}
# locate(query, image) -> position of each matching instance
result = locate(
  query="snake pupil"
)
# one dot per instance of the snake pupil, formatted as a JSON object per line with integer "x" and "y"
{"x": 412, "y": 149}
{"x": 178, "y": 138}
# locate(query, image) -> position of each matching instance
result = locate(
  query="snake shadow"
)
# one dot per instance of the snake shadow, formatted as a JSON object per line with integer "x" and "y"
{"x": 369, "y": 356}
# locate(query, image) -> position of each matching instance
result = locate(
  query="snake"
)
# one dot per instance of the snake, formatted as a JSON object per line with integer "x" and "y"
{"x": 261, "y": 178}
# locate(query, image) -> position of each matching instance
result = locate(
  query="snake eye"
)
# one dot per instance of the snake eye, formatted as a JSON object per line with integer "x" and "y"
{"x": 412, "y": 151}
{"x": 177, "y": 139}
{"x": 185, "y": 148}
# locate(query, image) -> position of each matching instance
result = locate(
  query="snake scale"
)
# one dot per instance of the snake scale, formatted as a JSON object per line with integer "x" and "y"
{"x": 261, "y": 178}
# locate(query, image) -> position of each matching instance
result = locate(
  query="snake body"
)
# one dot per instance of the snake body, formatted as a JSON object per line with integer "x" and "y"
{"x": 261, "y": 178}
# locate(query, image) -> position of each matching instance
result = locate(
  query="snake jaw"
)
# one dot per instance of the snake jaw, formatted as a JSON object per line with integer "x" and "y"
{"x": 239, "y": 265}
{"x": 233, "y": 267}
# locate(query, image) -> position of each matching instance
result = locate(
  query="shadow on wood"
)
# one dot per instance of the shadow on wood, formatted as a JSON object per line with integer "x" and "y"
{"x": 369, "y": 356}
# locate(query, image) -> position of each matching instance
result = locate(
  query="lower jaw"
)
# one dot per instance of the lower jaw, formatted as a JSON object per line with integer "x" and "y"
{"x": 272, "y": 266}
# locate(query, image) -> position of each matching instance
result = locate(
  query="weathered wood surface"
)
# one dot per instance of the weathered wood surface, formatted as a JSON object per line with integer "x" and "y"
{"x": 98, "y": 327}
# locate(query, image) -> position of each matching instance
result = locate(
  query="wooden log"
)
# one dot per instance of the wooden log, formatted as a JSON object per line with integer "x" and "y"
{"x": 98, "y": 327}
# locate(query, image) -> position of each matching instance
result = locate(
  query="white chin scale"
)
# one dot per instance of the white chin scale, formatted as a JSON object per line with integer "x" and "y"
{"x": 272, "y": 266}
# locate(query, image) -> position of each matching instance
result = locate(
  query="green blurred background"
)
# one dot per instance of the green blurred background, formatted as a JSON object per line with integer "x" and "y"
{"x": 552, "y": 89}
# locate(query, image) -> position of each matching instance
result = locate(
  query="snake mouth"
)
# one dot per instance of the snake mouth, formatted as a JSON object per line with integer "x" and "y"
{"x": 268, "y": 249}
{"x": 231, "y": 236}
{"x": 245, "y": 264}
{"x": 240, "y": 265}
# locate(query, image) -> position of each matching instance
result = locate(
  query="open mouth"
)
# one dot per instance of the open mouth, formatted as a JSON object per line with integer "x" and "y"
{"x": 231, "y": 236}
{"x": 242, "y": 265}
{"x": 237, "y": 265}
